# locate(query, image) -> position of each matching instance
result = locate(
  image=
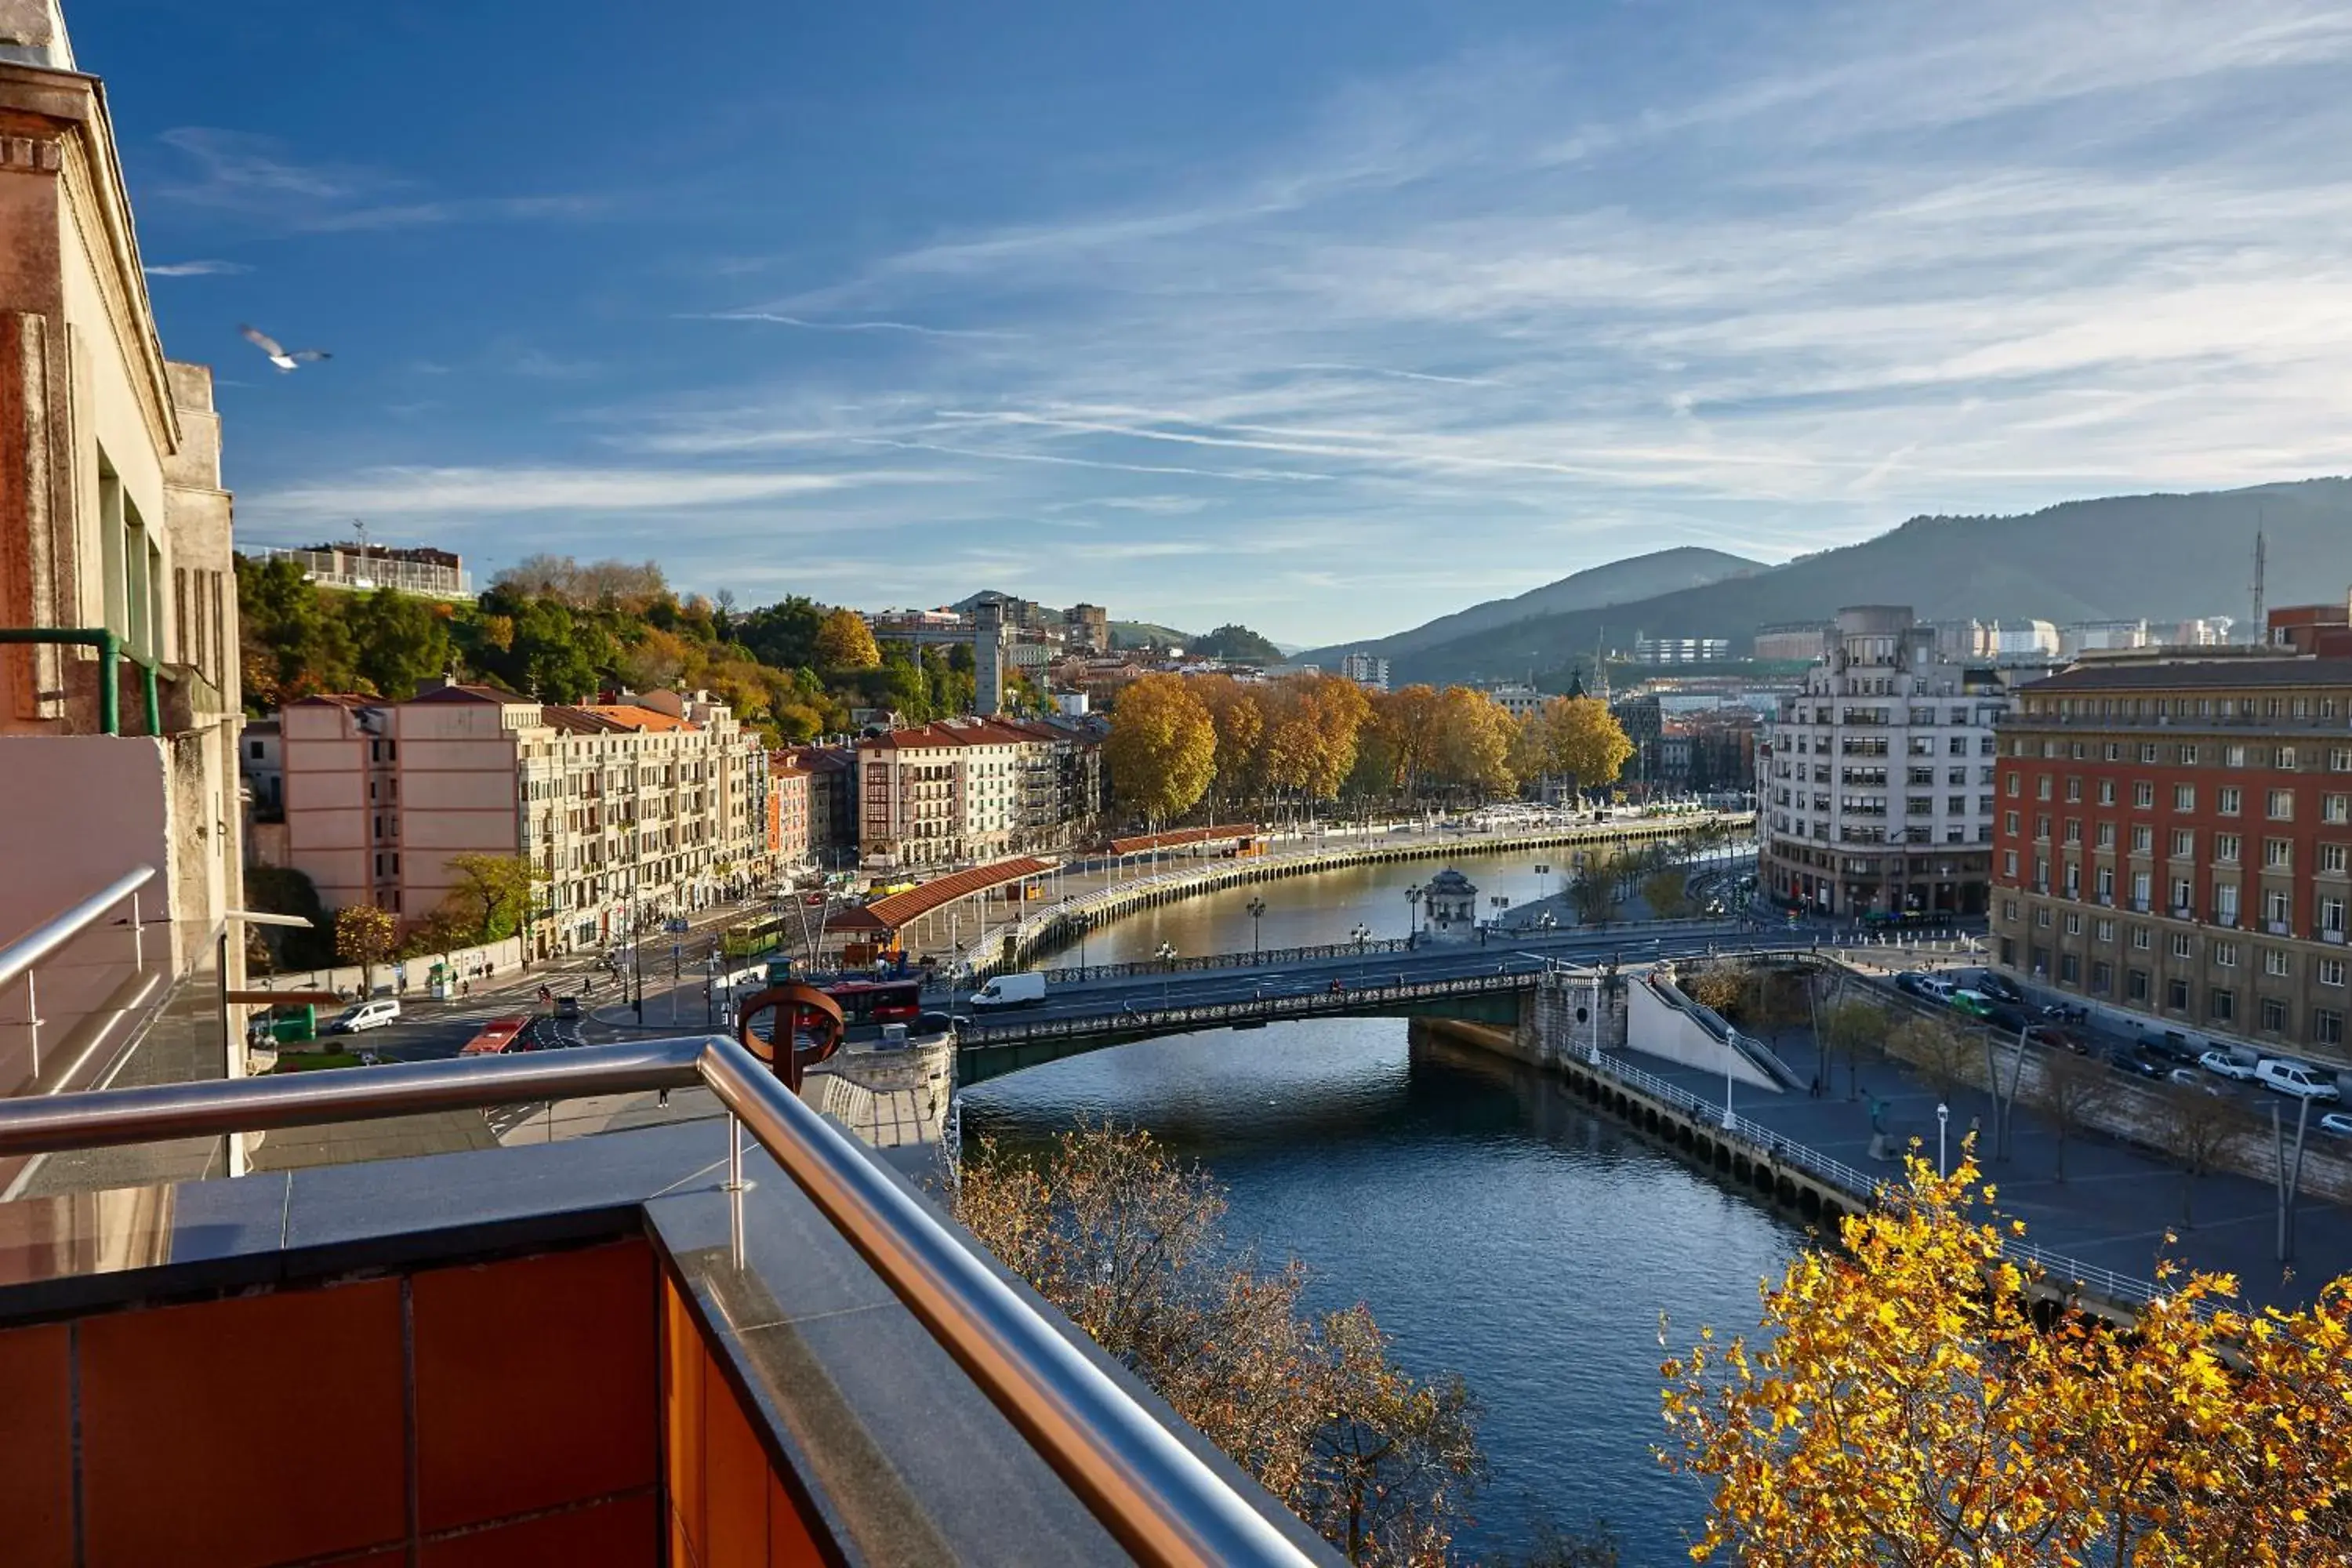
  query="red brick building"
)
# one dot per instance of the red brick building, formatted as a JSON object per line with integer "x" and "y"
{"x": 2174, "y": 840}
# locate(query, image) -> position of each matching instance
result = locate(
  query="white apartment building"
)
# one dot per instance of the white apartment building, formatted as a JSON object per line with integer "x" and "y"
{"x": 1517, "y": 698}
{"x": 1877, "y": 777}
{"x": 627, "y": 812}
{"x": 962, "y": 789}
{"x": 1366, "y": 669}
{"x": 2026, "y": 640}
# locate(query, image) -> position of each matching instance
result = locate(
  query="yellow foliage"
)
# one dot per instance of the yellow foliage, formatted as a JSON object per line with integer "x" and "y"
{"x": 1903, "y": 1407}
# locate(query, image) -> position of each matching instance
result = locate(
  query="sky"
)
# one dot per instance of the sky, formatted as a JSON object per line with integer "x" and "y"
{"x": 1324, "y": 317}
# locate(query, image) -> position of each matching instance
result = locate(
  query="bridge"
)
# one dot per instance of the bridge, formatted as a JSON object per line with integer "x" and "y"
{"x": 1086, "y": 1010}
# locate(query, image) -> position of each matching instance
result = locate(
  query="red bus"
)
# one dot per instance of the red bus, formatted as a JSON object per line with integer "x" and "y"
{"x": 877, "y": 1000}
{"x": 498, "y": 1036}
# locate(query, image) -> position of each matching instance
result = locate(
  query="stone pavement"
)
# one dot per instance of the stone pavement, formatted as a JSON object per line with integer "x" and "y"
{"x": 2114, "y": 1207}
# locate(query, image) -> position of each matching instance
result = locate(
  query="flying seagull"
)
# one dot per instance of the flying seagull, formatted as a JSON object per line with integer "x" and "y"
{"x": 278, "y": 356}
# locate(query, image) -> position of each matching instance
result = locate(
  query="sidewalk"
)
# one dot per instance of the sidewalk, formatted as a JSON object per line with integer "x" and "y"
{"x": 2114, "y": 1207}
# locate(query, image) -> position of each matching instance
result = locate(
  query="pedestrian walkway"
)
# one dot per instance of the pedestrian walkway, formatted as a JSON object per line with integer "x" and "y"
{"x": 2114, "y": 1207}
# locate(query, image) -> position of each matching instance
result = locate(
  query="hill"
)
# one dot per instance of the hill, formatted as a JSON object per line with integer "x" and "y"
{"x": 2161, "y": 556}
{"x": 1144, "y": 634}
{"x": 1641, "y": 577}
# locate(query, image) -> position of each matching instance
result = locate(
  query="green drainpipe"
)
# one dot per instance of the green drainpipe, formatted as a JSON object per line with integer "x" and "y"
{"x": 110, "y": 653}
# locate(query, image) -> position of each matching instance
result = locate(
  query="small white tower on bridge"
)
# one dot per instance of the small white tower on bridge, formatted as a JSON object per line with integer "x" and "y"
{"x": 1452, "y": 903}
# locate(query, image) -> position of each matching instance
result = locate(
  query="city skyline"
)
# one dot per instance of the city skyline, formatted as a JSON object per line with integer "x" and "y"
{"x": 1234, "y": 323}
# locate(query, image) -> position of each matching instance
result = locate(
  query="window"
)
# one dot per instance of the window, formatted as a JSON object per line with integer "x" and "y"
{"x": 2009, "y": 823}
{"x": 2074, "y": 924}
{"x": 2143, "y": 939}
{"x": 2275, "y": 906}
{"x": 2184, "y": 797}
{"x": 2014, "y": 786}
{"x": 2176, "y": 995}
{"x": 2331, "y": 972}
{"x": 2221, "y": 1004}
{"x": 2135, "y": 985}
{"x": 2184, "y": 843}
{"x": 2188, "y": 755}
{"x": 2286, "y": 760}
{"x": 2326, "y": 1027}
{"x": 2228, "y": 800}
{"x": 2103, "y": 978}
{"x": 2233, "y": 756}
{"x": 2331, "y": 808}
{"x": 2331, "y": 917}
{"x": 2331, "y": 860}
{"x": 2041, "y": 787}
{"x": 2107, "y": 884}
{"x": 2042, "y": 827}
{"x": 2069, "y": 969}
{"x": 2142, "y": 840}
{"x": 2278, "y": 854}
{"x": 2280, "y": 805}
{"x": 2183, "y": 944}
{"x": 2274, "y": 1016}
{"x": 2042, "y": 918}
{"x": 2074, "y": 791}
{"x": 2074, "y": 830}
{"x": 2225, "y": 847}
{"x": 2140, "y": 889}
{"x": 2225, "y": 955}
{"x": 2144, "y": 794}
{"x": 254, "y": 750}
{"x": 2008, "y": 863}
{"x": 2106, "y": 838}
{"x": 2147, "y": 750}
{"x": 2103, "y": 930}
{"x": 2276, "y": 964}
{"x": 2339, "y": 760}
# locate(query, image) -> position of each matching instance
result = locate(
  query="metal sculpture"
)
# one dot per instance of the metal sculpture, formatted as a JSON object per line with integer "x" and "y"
{"x": 807, "y": 1029}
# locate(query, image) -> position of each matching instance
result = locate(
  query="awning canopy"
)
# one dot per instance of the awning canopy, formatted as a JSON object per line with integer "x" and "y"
{"x": 1174, "y": 836}
{"x": 900, "y": 911}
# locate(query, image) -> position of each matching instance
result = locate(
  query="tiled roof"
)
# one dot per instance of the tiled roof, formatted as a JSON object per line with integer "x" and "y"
{"x": 629, "y": 716}
{"x": 901, "y": 909}
{"x": 470, "y": 693}
{"x": 949, "y": 733}
{"x": 2164, "y": 674}
{"x": 1143, "y": 841}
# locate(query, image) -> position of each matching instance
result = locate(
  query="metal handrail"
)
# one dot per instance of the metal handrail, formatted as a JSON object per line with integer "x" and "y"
{"x": 1158, "y": 1499}
{"x": 65, "y": 925}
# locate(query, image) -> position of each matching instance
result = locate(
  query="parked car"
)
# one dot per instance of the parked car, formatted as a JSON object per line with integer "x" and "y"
{"x": 2138, "y": 1065}
{"x": 373, "y": 1014}
{"x": 2222, "y": 1064}
{"x": 2336, "y": 1124}
{"x": 2002, "y": 1015}
{"x": 1911, "y": 982}
{"x": 2294, "y": 1077}
{"x": 1999, "y": 989}
{"x": 1974, "y": 1003}
{"x": 567, "y": 1006}
{"x": 2190, "y": 1078}
{"x": 2053, "y": 1035}
{"x": 1934, "y": 988}
{"x": 2173, "y": 1048}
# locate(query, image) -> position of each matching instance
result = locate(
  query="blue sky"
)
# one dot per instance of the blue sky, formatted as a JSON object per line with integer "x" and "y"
{"x": 1323, "y": 317}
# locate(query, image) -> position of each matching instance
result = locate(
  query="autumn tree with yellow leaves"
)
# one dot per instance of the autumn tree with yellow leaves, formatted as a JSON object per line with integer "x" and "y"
{"x": 1163, "y": 747}
{"x": 1903, "y": 1407}
{"x": 1579, "y": 739}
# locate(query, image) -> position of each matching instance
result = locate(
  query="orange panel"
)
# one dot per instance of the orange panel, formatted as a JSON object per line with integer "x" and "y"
{"x": 535, "y": 1382}
{"x": 36, "y": 1445}
{"x": 685, "y": 1361}
{"x": 736, "y": 1482}
{"x": 623, "y": 1533}
{"x": 245, "y": 1431}
{"x": 791, "y": 1544}
{"x": 681, "y": 1552}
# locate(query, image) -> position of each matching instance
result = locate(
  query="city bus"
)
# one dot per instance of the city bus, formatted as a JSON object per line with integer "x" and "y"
{"x": 496, "y": 1038}
{"x": 877, "y": 1001}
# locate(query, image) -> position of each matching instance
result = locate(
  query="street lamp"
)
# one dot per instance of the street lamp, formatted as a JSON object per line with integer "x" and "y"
{"x": 1413, "y": 896}
{"x": 1167, "y": 955}
{"x": 1256, "y": 912}
{"x": 1361, "y": 935}
{"x": 1943, "y": 1116}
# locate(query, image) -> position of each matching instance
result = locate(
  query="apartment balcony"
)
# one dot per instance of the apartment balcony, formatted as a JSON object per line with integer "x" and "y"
{"x": 671, "y": 1344}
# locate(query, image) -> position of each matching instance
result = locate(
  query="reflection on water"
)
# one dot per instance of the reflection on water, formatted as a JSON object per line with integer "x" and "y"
{"x": 1494, "y": 1226}
{"x": 1306, "y": 912}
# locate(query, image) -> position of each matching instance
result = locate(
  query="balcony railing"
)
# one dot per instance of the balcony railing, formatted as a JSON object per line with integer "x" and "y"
{"x": 1160, "y": 1500}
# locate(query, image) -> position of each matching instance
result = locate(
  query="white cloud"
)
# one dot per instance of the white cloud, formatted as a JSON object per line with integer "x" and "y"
{"x": 196, "y": 269}
{"x": 490, "y": 492}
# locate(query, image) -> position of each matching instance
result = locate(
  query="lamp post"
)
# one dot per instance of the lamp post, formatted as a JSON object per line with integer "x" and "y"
{"x": 1167, "y": 955}
{"x": 1942, "y": 1118}
{"x": 1413, "y": 896}
{"x": 1256, "y": 912}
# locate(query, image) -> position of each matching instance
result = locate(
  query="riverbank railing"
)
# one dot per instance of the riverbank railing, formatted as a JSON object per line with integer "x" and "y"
{"x": 1176, "y": 1017}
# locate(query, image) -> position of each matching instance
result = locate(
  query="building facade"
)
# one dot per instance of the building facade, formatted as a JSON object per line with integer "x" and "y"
{"x": 976, "y": 789}
{"x": 118, "y": 733}
{"x": 2174, "y": 843}
{"x": 1681, "y": 650}
{"x": 1877, "y": 778}
{"x": 358, "y": 568}
{"x": 787, "y": 814}
{"x": 625, "y": 813}
{"x": 832, "y": 802}
{"x": 1087, "y": 627}
{"x": 1368, "y": 670}
{"x": 1791, "y": 642}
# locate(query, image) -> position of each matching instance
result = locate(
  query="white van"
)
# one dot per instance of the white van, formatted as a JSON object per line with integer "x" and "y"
{"x": 2294, "y": 1078}
{"x": 372, "y": 1015}
{"x": 1012, "y": 991}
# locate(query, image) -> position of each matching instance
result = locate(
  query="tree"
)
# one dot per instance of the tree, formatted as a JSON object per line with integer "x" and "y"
{"x": 1667, "y": 893}
{"x": 2071, "y": 1092}
{"x": 782, "y": 634}
{"x": 1468, "y": 746}
{"x": 1718, "y": 987}
{"x": 2197, "y": 1127}
{"x": 1593, "y": 895}
{"x": 1237, "y": 643}
{"x": 1580, "y": 738}
{"x": 1940, "y": 1051}
{"x": 844, "y": 641}
{"x": 365, "y": 935}
{"x": 282, "y": 891}
{"x": 1903, "y": 1406}
{"x": 1129, "y": 1245}
{"x": 400, "y": 642}
{"x": 490, "y": 898}
{"x": 1163, "y": 747}
{"x": 1847, "y": 1029}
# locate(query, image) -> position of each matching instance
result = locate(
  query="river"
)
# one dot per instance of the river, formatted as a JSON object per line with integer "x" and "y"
{"x": 1494, "y": 1224}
